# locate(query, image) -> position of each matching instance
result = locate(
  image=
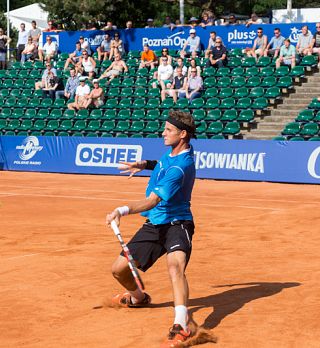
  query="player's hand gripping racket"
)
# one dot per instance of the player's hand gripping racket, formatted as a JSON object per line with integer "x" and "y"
{"x": 127, "y": 254}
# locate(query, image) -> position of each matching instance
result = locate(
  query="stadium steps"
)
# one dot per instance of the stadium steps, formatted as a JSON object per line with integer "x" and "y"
{"x": 271, "y": 125}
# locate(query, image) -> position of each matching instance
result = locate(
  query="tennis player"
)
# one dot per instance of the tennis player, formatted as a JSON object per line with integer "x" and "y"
{"x": 169, "y": 226}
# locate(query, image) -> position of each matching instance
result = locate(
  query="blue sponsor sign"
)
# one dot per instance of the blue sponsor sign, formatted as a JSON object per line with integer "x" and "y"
{"x": 251, "y": 160}
{"x": 235, "y": 36}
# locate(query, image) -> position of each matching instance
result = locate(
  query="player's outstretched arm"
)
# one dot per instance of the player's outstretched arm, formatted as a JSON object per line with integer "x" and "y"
{"x": 136, "y": 167}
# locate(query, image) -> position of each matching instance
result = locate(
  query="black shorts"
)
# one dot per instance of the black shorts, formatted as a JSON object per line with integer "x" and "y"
{"x": 153, "y": 241}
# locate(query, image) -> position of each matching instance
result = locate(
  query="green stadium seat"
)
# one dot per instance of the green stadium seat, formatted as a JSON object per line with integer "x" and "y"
{"x": 279, "y": 138}
{"x": 8, "y": 84}
{"x": 228, "y": 103}
{"x": 260, "y": 103}
{"x": 218, "y": 137}
{"x": 65, "y": 125}
{"x": 229, "y": 115}
{"x": 153, "y": 93}
{"x": 15, "y": 93}
{"x": 114, "y": 92}
{"x": 152, "y": 127}
{"x": 164, "y": 115}
{"x": 222, "y": 72}
{"x": 309, "y": 129}
{"x": 122, "y": 126}
{"x": 213, "y": 115}
{"x": 52, "y": 125}
{"x": 315, "y": 104}
{"x": 231, "y": 128}
{"x": 282, "y": 71}
{"x": 5, "y": 113}
{"x": 128, "y": 82}
{"x": 34, "y": 102}
{"x": 24, "y": 74}
{"x": 92, "y": 135}
{"x": 3, "y": 124}
{"x": 316, "y": 138}
{"x": 77, "y": 134}
{"x": 3, "y": 74}
{"x": 269, "y": 81}
{"x": 141, "y": 82}
{"x": 215, "y": 127}
{"x": 212, "y": 103}
{"x": 124, "y": 114}
{"x": 23, "y": 133}
{"x": 263, "y": 62}
{"x": 10, "y": 132}
{"x": 39, "y": 125}
{"x": 42, "y": 114}
{"x": 153, "y": 115}
{"x": 96, "y": 114}
{"x": 237, "y": 72}
{"x": 211, "y": 92}
{"x": 202, "y": 136}
{"x": 4, "y": 92}
{"x": 297, "y": 138}
{"x": 138, "y": 115}
{"x": 126, "y": 92}
{"x": 168, "y": 103}
{"x": 22, "y": 102}
{"x": 109, "y": 115}
{"x": 182, "y": 103}
{"x": 121, "y": 135}
{"x": 273, "y": 93}
{"x": 309, "y": 61}
{"x": 223, "y": 82}
{"x": 238, "y": 82}
{"x": 297, "y": 71}
{"x": 55, "y": 114}
{"x": 108, "y": 126}
{"x": 17, "y": 113}
{"x": 225, "y": 92}
{"x": 292, "y": 128}
{"x": 27, "y": 93}
{"x": 68, "y": 114}
{"x": 241, "y": 92}
{"x": 201, "y": 127}
{"x": 143, "y": 72}
{"x": 197, "y": 103}
{"x": 111, "y": 103}
{"x": 267, "y": 71}
{"x": 236, "y": 52}
{"x": 136, "y": 126}
{"x": 116, "y": 82}
{"x": 30, "y": 113}
{"x": 154, "y": 103}
{"x": 139, "y": 103}
{"x": 199, "y": 115}
{"x": 246, "y": 116}
{"x": 305, "y": 116}
{"x": 285, "y": 82}
{"x": 209, "y": 72}
{"x": 152, "y": 136}
{"x": 252, "y": 71}
{"x": 248, "y": 62}
{"x": 256, "y": 92}
{"x": 140, "y": 92}
{"x": 79, "y": 126}
{"x": 317, "y": 117}
{"x": 253, "y": 81}
{"x": 93, "y": 126}
{"x": 234, "y": 62}
{"x": 210, "y": 82}
{"x": 10, "y": 102}
{"x": 25, "y": 125}
{"x": 125, "y": 103}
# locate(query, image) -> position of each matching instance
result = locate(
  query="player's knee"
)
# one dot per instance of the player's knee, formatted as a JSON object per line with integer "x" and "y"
{"x": 175, "y": 270}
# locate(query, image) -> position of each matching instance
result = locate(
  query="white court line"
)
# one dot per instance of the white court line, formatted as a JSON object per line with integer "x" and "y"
{"x": 239, "y": 206}
{"x": 40, "y": 253}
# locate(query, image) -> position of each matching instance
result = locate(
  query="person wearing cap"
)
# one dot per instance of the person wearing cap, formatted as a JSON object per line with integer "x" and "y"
{"x": 82, "y": 93}
{"x": 191, "y": 46}
{"x": 150, "y": 23}
{"x": 69, "y": 91}
{"x": 96, "y": 96}
{"x": 148, "y": 58}
{"x": 104, "y": 48}
{"x": 85, "y": 45}
{"x": 193, "y": 22}
{"x": 74, "y": 57}
{"x": 117, "y": 67}
{"x": 165, "y": 74}
{"x": 116, "y": 46}
{"x": 169, "y": 227}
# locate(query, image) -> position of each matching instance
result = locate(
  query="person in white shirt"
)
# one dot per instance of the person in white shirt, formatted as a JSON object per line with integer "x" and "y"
{"x": 82, "y": 93}
{"x": 165, "y": 75}
{"x": 49, "y": 49}
{"x": 22, "y": 41}
{"x": 180, "y": 64}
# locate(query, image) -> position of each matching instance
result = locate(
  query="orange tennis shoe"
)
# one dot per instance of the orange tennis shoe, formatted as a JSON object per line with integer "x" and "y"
{"x": 176, "y": 336}
{"x": 124, "y": 300}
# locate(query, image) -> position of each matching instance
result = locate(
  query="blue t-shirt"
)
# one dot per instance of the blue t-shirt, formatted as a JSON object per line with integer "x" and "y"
{"x": 172, "y": 180}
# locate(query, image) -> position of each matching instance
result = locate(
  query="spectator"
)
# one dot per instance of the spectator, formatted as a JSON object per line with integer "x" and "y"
{"x": 304, "y": 42}
{"x": 85, "y": 45}
{"x": 164, "y": 76}
{"x": 4, "y": 41}
{"x": 259, "y": 44}
{"x": 207, "y": 19}
{"x": 218, "y": 57}
{"x": 273, "y": 48}
{"x": 148, "y": 58}
{"x": 49, "y": 49}
{"x": 254, "y": 20}
{"x": 180, "y": 64}
{"x": 191, "y": 46}
{"x": 74, "y": 57}
{"x": 109, "y": 26}
{"x": 165, "y": 54}
{"x": 193, "y": 65}
{"x": 82, "y": 92}
{"x": 193, "y": 22}
{"x": 315, "y": 44}
{"x": 52, "y": 86}
{"x": 231, "y": 20}
{"x": 116, "y": 46}
{"x": 86, "y": 64}
{"x": 70, "y": 88}
{"x": 115, "y": 69}
{"x": 193, "y": 86}
{"x": 129, "y": 25}
{"x": 96, "y": 96}
{"x": 22, "y": 41}
{"x": 211, "y": 43}
{"x": 287, "y": 55}
{"x": 49, "y": 68}
{"x": 168, "y": 23}
{"x": 51, "y": 27}
{"x": 91, "y": 25}
{"x": 29, "y": 51}
{"x": 178, "y": 86}
{"x": 150, "y": 23}
{"x": 35, "y": 33}
{"x": 104, "y": 48}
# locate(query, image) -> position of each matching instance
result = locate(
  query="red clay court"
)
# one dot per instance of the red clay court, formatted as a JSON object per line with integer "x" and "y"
{"x": 254, "y": 272}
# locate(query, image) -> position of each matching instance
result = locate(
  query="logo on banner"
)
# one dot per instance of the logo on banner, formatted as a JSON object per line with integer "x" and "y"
{"x": 96, "y": 41}
{"x": 172, "y": 40}
{"x": 242, "y": 37}
{"x": 312, "y": 163}
{"x": 294, "y": 34}
{"x": 106, "y": 155}
{"x": 29, "y": 148}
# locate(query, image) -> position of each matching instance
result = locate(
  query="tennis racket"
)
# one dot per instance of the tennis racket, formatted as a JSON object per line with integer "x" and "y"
{"x": 128, "y": 256}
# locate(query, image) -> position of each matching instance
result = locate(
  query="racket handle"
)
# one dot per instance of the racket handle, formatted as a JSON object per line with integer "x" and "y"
{"x": 115, "y": 228}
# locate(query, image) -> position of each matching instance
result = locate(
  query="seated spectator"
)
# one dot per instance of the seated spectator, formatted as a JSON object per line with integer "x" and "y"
{"x": 191, "y": 46}
{"x": 86, "y": 64}
{"x": 273, "y": 48}
{"x": 69, "y": 91}
{"x": 211, "y": 43}
{"x": 207, "y": 19}
{"x": 150, "y": 23}
{"x": 193, "y": 64}
{"x": 180, "y": 64}
{"x": 304, "y": 42}
{"x": 315, "y": 44}
{"x": 116, "y": 46}
{"x": 96, "y": 96}
{"x": 91, "y": 25}
{"x": 29, "y": 51}
{"x": 148, "y": 58}
{"x": 178, "y": 85}
{"x": 165, "y": 54}
{"x": 49, "y": 68}
{"x": 287, "y": 55}
{"x": 4, "y": 41}
{"x": 254, "y": 20}
{"x": 168, "y": 23}
{"x": 129, "y": 25}
{"x": 193, "y": 86}
{"x": 259, "y": 45}
{"x": 49, "y": 49}
{"x": 82, "y": 92}
{"x": 193, "y": 22}
{"x": 51, "y": 27}
{"x": 164, "y": 76}
{"x": 104, "y": 48}
{"x": 115, "y": 69}
{"x": 52, "y": 85}
{"x": 109, "y": 26}
{"x": 74, "y": 57}
{"x": 231, "y": 20}
{"x": 35, "y": 33}
{"x": 85, "y": 45}
{"x": 218, "y": 57}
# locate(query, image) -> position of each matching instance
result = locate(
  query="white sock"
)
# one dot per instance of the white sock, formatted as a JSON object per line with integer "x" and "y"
{"x": 181, "y": 316}
{"x": 137, "y": 296}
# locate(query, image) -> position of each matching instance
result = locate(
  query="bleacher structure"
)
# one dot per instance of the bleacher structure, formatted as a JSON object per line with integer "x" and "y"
{"x": 233, "y": 99}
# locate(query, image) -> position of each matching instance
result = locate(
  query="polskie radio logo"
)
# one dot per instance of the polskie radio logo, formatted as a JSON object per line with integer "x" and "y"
{"x": 29, "y": 148}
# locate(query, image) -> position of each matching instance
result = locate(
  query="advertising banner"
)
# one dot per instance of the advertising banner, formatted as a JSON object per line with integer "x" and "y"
{"x": 249, "y": 160}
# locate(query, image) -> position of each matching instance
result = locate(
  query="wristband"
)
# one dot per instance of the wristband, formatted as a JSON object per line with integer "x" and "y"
{"x": 151, "y": 164}
{"x": 123, "y": 210}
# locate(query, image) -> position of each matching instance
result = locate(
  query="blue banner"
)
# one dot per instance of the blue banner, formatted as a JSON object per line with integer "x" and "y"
{"x": 250, "y": 160}
{"x": 235, "y": 36}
